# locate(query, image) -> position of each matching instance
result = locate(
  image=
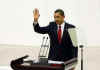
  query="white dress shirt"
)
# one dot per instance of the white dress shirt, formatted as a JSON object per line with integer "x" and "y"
{"x": 62, "y": 28}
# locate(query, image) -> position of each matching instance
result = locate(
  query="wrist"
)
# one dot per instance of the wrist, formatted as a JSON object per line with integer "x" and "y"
{"x": 35, "y": 20}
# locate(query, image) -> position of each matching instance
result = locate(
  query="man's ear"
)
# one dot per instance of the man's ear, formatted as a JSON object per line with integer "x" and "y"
{"x": 63, "y": 16}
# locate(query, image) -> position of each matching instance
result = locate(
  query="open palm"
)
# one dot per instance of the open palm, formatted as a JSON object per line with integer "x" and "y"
{"x": 36, "y": 14}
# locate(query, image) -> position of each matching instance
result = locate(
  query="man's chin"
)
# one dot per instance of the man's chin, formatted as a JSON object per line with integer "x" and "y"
{"x": 57, "y": 22}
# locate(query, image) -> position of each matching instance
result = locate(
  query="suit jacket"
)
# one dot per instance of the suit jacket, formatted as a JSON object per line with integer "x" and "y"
{"x": 58, "y": 52}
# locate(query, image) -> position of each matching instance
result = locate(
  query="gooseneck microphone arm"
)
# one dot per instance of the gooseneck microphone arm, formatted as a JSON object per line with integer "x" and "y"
{"x": 41, "y": 46}
{"x": 44, "y": 46}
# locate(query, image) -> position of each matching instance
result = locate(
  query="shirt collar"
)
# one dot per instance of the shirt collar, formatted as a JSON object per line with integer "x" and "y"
{"x": 62, "y": 25}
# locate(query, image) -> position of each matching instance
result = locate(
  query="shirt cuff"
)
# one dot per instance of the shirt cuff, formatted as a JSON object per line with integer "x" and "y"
{"x": 35, "y": 23}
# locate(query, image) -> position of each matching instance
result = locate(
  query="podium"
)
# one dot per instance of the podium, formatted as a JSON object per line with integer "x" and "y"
{"x": 37, "y": 67}
{"x": 19, "y": 64}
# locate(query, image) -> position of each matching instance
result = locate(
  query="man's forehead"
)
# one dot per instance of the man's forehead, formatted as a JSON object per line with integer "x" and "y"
{"x": 56, "y": 14}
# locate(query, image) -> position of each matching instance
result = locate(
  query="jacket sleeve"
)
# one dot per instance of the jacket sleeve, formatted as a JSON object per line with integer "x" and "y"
{"x": 42, "y": 30}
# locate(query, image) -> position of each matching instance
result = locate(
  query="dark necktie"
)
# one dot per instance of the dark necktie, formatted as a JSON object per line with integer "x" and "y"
{"x": 59, "y": 34}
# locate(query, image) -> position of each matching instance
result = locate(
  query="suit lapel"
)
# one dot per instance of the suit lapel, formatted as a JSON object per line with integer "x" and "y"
{"x": 56, "y": 28}
{"x": 64, "y": 32}
{"x": 55, "y": 31}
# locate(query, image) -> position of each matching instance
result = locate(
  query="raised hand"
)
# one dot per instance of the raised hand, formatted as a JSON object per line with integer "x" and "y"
{"x": 36, "y": 15}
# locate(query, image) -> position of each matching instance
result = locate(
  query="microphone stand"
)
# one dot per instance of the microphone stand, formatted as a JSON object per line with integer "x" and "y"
{"x": 81, "y": 46}
{"x": 44, "y": 47}
{"x": 41, "y": 48}
{"x": 42, "y": 53}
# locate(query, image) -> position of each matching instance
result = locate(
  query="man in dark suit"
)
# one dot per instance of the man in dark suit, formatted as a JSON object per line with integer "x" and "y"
{"x": 61, "y": 46}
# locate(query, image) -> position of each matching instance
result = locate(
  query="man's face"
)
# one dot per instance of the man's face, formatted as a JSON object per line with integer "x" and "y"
{"x": 59, "y": 19}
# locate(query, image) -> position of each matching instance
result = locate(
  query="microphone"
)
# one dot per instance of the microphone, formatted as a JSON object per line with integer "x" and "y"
{"x": 41, "y": 46}
{"x": 47, "y": 49}
{"x": 45, "y": 46}
{"x": 43, "y": 51}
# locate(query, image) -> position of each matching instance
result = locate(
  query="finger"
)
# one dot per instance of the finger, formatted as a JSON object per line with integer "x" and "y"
{"x": 36, "y": 11}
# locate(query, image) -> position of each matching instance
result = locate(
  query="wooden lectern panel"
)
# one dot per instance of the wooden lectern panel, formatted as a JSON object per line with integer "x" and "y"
{"x": 37, "y": 67}
{"x": 19, "y": 64}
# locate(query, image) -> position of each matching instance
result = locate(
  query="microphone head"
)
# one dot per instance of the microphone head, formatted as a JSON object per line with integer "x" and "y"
{"x": 44, "y": 37}
{"x": 81, "y": 46}
{"x": 47, "y": 37}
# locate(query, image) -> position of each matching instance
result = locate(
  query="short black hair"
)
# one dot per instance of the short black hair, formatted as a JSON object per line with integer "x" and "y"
{"x": 60, "y": 11}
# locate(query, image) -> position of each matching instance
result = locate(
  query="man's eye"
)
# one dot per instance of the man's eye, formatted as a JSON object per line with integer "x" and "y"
{"x": 57, "y": 16}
